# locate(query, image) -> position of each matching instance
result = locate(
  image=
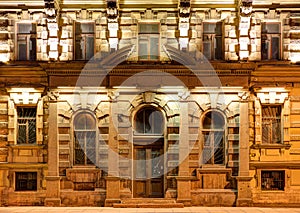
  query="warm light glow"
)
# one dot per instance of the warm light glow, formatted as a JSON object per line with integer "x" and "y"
{"x": 4, "y": 57}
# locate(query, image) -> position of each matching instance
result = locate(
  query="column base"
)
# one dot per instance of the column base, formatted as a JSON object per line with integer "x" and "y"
{"x": 244, "y": 202}
{"x": 111, "y": 202}
{"x": 186, "y": 202}
{"x": 55, "y": 202}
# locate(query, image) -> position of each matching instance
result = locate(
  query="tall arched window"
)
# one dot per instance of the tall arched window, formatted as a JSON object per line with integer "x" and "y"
{"x": 213, "y": 138}
{"x": 149, "y": 120}
{"x": 84, "y": 139}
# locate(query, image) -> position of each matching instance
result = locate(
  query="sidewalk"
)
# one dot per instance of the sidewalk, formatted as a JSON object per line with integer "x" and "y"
{"x": 147, "y": 210}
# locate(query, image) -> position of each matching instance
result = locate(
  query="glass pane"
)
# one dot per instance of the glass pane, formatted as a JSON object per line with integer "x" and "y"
{"x": 209, "y": 27}
{"x": 27, "y": 28}
{"x": 207, "y": 156}
{"x": 89, "y": 47}
{"x": 154, "y": 48}
{"x": 218, "y": 156}
{"x": 219, "y": 29}
{"x": 157, "y": 163}
{"x": 148, "y": 28}
{"x": 264, "y": 48}
{"x": 141, "y": 163}
{"x": 32, "y": 131}
{"x": 213, "y": 120}
{"x": 79, "y": 49}
{"x": 275, "y": 43}
{"x": 22, "y": 55}
{"x": 218, "y": 47}
{"x": 22, "y": 133}
{"x": 270, "y": 27}
{"x": 32, "y": 49}
{"x": 143, "y": 50}
{"x": 207, "y": 49}
{"x": 87, "y": 27}
{"x": 84, "y": 121}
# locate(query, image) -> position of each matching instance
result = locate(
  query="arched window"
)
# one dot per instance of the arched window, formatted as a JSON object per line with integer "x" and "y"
{"x": 84, "y": 139}
{"x": 213, "y": 138}
{"x": 149, "y": 120}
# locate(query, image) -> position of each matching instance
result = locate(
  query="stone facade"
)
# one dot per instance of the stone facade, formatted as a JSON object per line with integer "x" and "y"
{"x": 80, "y": 82}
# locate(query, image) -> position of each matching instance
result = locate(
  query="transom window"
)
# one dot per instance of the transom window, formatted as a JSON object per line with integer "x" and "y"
{"x": 85, "y": 139}
{"x": 84, "y": 40}
{"x": 213, "y": 138}
{"x": 270, "y": 41}
{"x": 272, "y": 180}
{"x": 26, "y": 181}
{"x": 149, "y": 120}
{"x": 148, "y": 41}
{"x": 26, "y": 41}
{"x": 271, "y": 124}
{"x": 212, "y": 40}
{"x": 26, "y": 125}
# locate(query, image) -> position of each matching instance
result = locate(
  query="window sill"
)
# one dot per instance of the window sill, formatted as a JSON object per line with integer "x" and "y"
{"x": 26, "y": 146}
{"x": 271, "y": 146}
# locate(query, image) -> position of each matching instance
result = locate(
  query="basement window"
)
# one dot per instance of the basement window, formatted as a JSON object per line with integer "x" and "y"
{"x": 272, "y": 180}
{"x": 26, "y": 181}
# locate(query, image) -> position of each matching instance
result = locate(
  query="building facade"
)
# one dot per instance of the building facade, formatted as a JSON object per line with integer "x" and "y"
{"x": 197, "y": 102}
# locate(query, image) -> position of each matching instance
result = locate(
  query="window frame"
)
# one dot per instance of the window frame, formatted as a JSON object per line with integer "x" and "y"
{"x": 83, "y": 39}
{"x": 283, "y": 180}
{"x": 26, "y": 40}
{"x": 27, "y": 119}
{"x": 269, "y": 36}
{"x": 76, "y": 131}
{"x": 272, "y": 118}
{"x": 17, "y": 189}
{"x": 211, "y": 138}
{"x": 212, "y": 41}
{"x": 147, "y": 36}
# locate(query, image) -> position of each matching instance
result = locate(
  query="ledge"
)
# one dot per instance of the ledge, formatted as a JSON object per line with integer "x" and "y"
{"x": 270, "y": 146}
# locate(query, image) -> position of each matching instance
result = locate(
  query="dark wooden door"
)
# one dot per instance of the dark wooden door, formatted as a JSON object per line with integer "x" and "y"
{"x": 148, "y": 172}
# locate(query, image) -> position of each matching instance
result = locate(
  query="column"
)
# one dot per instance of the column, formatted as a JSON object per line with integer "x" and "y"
{"x": 184, "y": 178}
{"x": 113, "y": 179}
{"x": 53, "y": 179}
{"x": 244, "y": 197}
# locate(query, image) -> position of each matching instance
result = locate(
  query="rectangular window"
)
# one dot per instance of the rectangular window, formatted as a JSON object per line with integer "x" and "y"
{"x": 213, "y": 147}
{"x": 26, "y": 125}
{"x": 272, "y": 180}
{"x": 26, "y": 181}
{"x": 213, "y": 41}
{"x": 270, "y": 41}
{"x": 148, "y": 41}
{"x": 84, "y": 40}
{"x": 271, "y": 124}
{"x": 26, "y": 41}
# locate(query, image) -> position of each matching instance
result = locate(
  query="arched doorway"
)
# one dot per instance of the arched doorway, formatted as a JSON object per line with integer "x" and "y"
{"x": 148, "y": 153}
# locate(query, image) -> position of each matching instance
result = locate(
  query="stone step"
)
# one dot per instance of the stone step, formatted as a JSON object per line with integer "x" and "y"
{"x": 148, "y": 205}
{"x": 147, "y": 200}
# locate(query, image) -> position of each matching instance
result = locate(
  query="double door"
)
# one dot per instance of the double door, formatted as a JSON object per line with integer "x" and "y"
{"x": 148, "y": 172}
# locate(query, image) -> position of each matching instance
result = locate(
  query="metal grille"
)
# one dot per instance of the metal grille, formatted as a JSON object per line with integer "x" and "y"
{"x": 26, "y": 125}
{"x": 271, "y": 124}
{"x": 26, "y": 181}
{"x": 272, "y": 180}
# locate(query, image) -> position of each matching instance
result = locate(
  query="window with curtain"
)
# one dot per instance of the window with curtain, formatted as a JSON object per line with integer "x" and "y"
{"x": 26, "y": 41}
{"x": 213, "y": 138}
{"x": 212, "y": 40}
{"x": 270, "y": 41}
{"x": 148, "y": 47}
{"x": 84, "y": 139}
{"x": 84, "y": 40}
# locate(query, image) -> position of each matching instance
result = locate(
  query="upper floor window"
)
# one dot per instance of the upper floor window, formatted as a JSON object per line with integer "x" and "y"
{"x": 84, "y": 40}
{"x": 272, "y": 180}
{"x": 26, "y": 181}
{"x": 85, "y": 139}
{"x": 26, "y": 125}
{"x": 212, "y": 40}
{"x": 26, "y": 41}
{"x": 271, "y": 123}
{"x": 149, "y": 120}
{"x": 270, "y": 41}
{"x": 148, "y": 47}
{"x": 213, "y": 138}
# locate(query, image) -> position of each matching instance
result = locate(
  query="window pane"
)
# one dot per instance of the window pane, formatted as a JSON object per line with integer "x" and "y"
{"x": 272, "y": 180}
{"x": 26, "y": 125}
{"x": 209, "y": 27}
{"x": 207, "y": 49}
{"x": 22, "y": 134}
{"x": 270, "y": 27}
{"x": 154, "y": 48}
{"x": 271, "y": 124}
{"x": 148, "y": 28}
{"x": 89, "y": 47}
{"x": 264, "y": 48}
{"x": 28, "y": 28}
{"x": 79, "y": 48}
{"x": 140, "y": 163}
{"x": 218, "y": 47}
{"x": 22, "y": 51}
{"x": 26, "y": 181}
{"x": 32, "y": 48}
{"x": 149, "y": 121}
{"x": 143, "y": 49}
{"x": 275, "y": 47}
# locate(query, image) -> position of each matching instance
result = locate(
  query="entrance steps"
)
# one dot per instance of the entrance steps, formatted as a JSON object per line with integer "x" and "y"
{"x": 148, "y": 203}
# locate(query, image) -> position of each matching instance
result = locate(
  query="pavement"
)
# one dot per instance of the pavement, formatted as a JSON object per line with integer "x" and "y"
{"x": 147, "y": 210}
